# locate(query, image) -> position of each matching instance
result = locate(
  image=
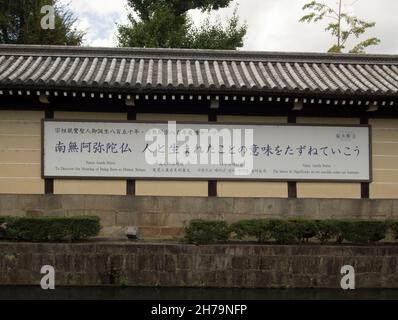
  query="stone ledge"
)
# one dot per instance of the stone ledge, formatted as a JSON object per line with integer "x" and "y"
{"x": 167, "y": 215}
{"x": 168, "y": 264}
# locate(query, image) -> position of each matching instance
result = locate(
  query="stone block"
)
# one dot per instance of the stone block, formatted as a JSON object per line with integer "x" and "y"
{"x": 172, "y": 232}
{"x": 219, "y": 206}
{"x": 77, "y": 202}
{"x": 91, "y": 202}
{"x": 184, "y": 262}
{"x": 249, "y": 266}
{"x": 264, "y": 279}
{"x": 341, "y": 208}
{"x": 146, "y": 278}
{"x": 107, "y": 217}
{"x": 192, "y": 206}
{"x": 150, "y": 232}
{"x": 368, "y": 280}
{"x": 113, "y": 232}
{"x": 169, "y": 279}
{"x": 204, "y": 262}
{"x": 239, "y": 263}
{"x": 13, "y": 212}
{"x": 175, "y": 219}
{"x": 8, "y": 202}
{"x": 243, "y": 206}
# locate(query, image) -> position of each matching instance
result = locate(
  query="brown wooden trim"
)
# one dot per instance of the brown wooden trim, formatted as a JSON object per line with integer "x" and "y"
{"x": 292, "y": 189}
{"x": 49, "y": 114}
{"x": 292, "y": 185}
{"x": 48, "y": 182}
{"x": 195, "y": 106}
{"x": 213, "y": 115}
{"x": 201, "y": 179}
{"x": 292, "y": 119}
{"x": 130, "y": 187}
{"x": 365, "y": 190}
{"x": 212, "y": 184}
{"x": 212, "y": 188}
{"x": 218, "y": 123}
{"x": 49, "y": 186}
{"x": 364, "y": 120}
{"x": 130, "y": 183}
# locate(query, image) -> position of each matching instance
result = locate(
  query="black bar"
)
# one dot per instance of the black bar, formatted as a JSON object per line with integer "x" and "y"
{"x": 212, "y": 188}
{"x": 130, "y": 183}
{"x": 49, "y": 186}
{"x": 48, "y": 183}
{"x": 130, "y": 187}
{"x": 365, "y": 190}
{"x": 292, "y": 185}
{"x": 213, "y": 115}
{"x": 291, "y": 118}
{"x": 292, "y": 189}
{"x": 49, "y": 114}
{"x": 365, "y": 185}
{"x": 212, "y": 184}
{"x": 241, "y": 308}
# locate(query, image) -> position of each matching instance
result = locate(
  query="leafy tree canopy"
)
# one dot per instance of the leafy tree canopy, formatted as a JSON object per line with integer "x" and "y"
{"x": 20, "y": 23}
{"x": 166, "y": 24}
{"x": 342, "y": 26}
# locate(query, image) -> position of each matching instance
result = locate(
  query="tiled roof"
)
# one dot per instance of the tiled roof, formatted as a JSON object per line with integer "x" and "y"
{"x": 160, "y": 70}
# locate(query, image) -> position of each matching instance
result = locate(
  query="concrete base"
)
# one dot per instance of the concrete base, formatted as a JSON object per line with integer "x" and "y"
{"x": 178, "y": 265}
{"x": 165, "y": 217}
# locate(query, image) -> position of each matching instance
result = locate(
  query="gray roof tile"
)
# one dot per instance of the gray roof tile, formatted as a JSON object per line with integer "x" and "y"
{"x": 210, "y": 70}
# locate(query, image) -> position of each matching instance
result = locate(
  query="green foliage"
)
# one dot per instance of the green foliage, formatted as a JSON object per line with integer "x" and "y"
{"x": 360, "y": 47}
{"x": 282, "y": 231}
{"x": 144, "y": 8}
{"x": 304, "y": 229}
{"x": 291, "y": 230}
{"x": 163, "y": 29}
{"x": 49, "y": 228}
{"x": 394, "y": 228}
{"x": 245, "y": 228}
{"x": 326, "y": 230}
{"x": 341, "y": 26}
{"x": 20, "y": 24}
{"x": 206, "y": 232}
{"x": 252, "y": 228}
{"x": 215, "y": 36}
{"x": 363, "y": 232}
{"x": 166, "y": 24}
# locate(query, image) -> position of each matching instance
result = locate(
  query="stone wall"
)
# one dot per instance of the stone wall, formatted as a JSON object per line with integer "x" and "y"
{"x": 244, "y": 266}
{"x": 165, "y": 217}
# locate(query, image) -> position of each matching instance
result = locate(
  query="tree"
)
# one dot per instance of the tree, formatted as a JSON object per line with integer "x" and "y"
{"x": 166, "y": 24}
{"x": 342, "y": 26}
{"x": 20, "y": 23}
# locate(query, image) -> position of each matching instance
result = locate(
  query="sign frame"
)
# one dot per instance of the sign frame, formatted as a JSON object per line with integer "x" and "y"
{"x": 242, "y": 178}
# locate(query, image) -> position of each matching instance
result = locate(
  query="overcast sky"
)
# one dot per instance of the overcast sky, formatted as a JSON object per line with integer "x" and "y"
{"x": 272, "y": 24}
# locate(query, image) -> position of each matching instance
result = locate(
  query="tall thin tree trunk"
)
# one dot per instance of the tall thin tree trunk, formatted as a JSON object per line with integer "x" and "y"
{"x": 339, "y": 27}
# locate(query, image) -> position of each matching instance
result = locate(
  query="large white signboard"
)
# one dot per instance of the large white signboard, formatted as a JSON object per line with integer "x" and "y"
{"x": 94, "y": 149}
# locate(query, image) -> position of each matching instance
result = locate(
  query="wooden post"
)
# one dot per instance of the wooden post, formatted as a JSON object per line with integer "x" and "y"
{"x": 365, "y": 185}
{"x": 212, "y": 184}
{"x": 130, "y": 183}
{"x": 291, "y": 185}
{"x": 48, "y": 183}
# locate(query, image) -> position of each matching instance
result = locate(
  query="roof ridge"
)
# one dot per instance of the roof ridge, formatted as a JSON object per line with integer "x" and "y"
{"x": 197, "y": 54}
